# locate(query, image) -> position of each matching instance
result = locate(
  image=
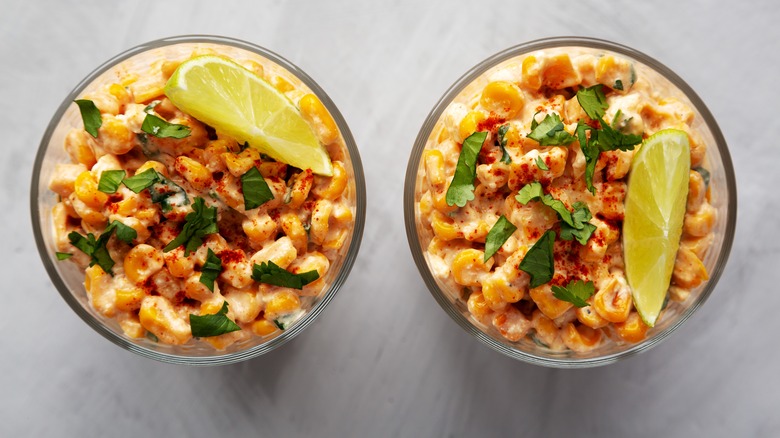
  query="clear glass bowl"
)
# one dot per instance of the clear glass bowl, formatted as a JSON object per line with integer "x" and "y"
{"x": 69, "y": 279}
{"x": 724, "y": 199}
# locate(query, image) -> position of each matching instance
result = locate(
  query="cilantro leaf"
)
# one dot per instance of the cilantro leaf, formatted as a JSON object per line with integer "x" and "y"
{"x": 94, "y": 248}
{"x": 461, "y": 188}
{"x": 204, "y": 326}
{"x": 497, "y": 235}
{"x": 256, "y": 190}
{"x": 160, "y": 128}
{"x": 270, "y": 273}
{"x": 279, "y": 325}
{"x": 591, "y": 152}
{"x": 142, "y": 180}
{"x": 110, "y": 180}
{"x": 90, "y": 115}
{"x": 210, "y": 270}
{"x": 502, "y": 130}
{"x": 541, "y": 164}
{"x": 593, "y": 101}
{"x": 530, "y": 192}
{"x": 705, "y": 175}
{"x": 610, "y": 139}
{"x": 63, "y": 255}
{"x": 580, "y": 228}
{"x": 538, "y": 261}
{"x": 534, "y": 192}
{"x": 575, "y": 292}
{"x": 123, "y": 232}
{"x": 618, "y": 85}
{"x": 201, "y": 222}
{"x": 550, "y": 132}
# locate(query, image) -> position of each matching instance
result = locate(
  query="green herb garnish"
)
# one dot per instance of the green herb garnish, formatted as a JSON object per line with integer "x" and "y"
{"x": 63, "y": 255}
{"x": 110, "y": 180}
{"x": 593, "y": 101}
{"x": 160, "y": 128}
{"x": 90, "y": 115}
{"x": 550, "y": 132}
{"x": 541, "y": 164}
{"x": 534, "y": 192}
{"x": 575, "y": 292}
{"x": 705, "y": 175}
{"x": 201, "y": 222}
{"x": 502, "y": 130}
{"x": 279, "y": 325}
{"x": 168, "y": 194}
{"x": 538, "y": 261}
{"x": 618, "y": 85}
{"x": 497, "y": 236}
{"x": 142, "y": 180}
{"x": 270, "y": 273}
{"x": 256, "y": 190}
{"x": 210, "y": 270}
{"x": 96, "y": 248}
{"x": 204, "y": 326}
{"x": 579, "y": 228}
{"x": 123, "y": 232}
{"x": 461, "y": 188}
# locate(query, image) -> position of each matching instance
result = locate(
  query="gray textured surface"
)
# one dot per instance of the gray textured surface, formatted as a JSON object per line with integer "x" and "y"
{"x": 384, "y": 359}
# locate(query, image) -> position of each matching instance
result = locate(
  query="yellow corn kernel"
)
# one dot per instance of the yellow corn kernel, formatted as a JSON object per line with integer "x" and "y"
{"x": 699, "y": 245}
{"x": 156, "y": 165}
{"x": 696, "y": 191}
{"x": 98, "y": 286}
{"x": 196, "y": 290}
{"x": 478, "y": 306}
{"x": 281, "y": 252}
{"x": 129, "y": 299}
{"x": 470, "y": 124}
{"x": 281, "y": 303}
{"x": 588, "y": 316}
{"x": 546, "y": 302}
{"x": 115, "y": 137}
{"x": 444, "y": 228}
{"x": 312, "y": 261}
{"x": 93, "y": 218}
{"x": 318, "y": 117}
{"x": 127, "y": 206}
{"x": 147, "y": 90}
{"x": 320, "y": 220}
{"x": 512, "y": 324}
{"x": 264, "y": 327}
{"x": 159, "y": 317}
{"x": 121, "y": 94}
{"x": 259, "y": 229}
{"x": 546, "y": 330}
{"x": 613, "y": 302}
{"x": 468, "y": 267}
{"x": 179, "y": 265}
{"x": 86, "y": 188}
{"x": 341, "y": 213}
{"x": 444, "y": 134}
{"x": 128, "y": 79}
{"x": 689, "y": 271}
{"x": 698, "y": 149}
{"x": 241, "y": 163}
{"x": 131, "y": 325}
{"x": 502, "y": 98}
{"x": 633, "y": 329}
{"x": 335, "y": 239}
{"x": 282, "y": 84}
{"x": 168, "y": 67}
{"x": 293, "y": 228}
{"x": 255, "y": 67}
{"x": 300, "y": 189}
{"x": 439, "y": 198}
{"x": 580, "y": 339}
{"x": 212, "y": 306}
{"x": 701, "y": 222}
{"x": 141, "y": 262}
{"x": 78, "y": 147}
{"x": 559, "y": 72}
{"x": 531, "y": 71}
{"x": 434, "y": 167}
{"x": 426, "y": 205}
{"x": 273, "y": 169}
{"x": 63, "y": 179}
{"x": 332, "y": 187}
{"x": 195, "y": 173}
{"x": 499, "y": 286}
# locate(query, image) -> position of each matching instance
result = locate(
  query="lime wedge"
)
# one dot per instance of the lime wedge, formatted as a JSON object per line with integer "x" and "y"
{"x": 655, "y": 209}
{"x": 234, "y": 100}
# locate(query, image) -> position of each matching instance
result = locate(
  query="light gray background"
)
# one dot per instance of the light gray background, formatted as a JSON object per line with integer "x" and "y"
{"x": 384, "y": 359}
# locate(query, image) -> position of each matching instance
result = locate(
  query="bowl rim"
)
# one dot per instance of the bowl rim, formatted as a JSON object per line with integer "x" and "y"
{"x": 433, "y": 117}
{"x": 218, "y": 359}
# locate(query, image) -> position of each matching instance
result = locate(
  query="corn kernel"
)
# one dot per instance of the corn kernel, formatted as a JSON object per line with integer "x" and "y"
{"x": 264, "y": 327}
{"x": 281, "y": 303}
{"x": 141, "y": 262}
{"x": 332, "y": 187}
{"x": 129, "y": 299}
{"x": 318, "y": 117}
{"x": 86, "y": 189}
{"x": 502, "y": 98}
{"x": 470, "y": 124}
{"x": 195, "y": 173}
{"x": 633, "y": 330}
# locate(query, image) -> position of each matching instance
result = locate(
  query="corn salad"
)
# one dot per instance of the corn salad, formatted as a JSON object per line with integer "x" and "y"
{"x": 306, "y": 226}
{"x": 507, "y": 102}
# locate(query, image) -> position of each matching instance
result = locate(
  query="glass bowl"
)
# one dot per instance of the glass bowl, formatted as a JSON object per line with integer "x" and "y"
{"x": 723, "y": 199}
{"x": 69, "y": 279}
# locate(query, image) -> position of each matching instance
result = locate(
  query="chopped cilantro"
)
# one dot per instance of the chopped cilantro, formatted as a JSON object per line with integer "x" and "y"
{"x": 204, "y": 326}
{"x": 90, "y": 115}
{"x": 550, "y": 132}
{"x": 502, "y": 130}
{"x": 210, "y": 270}
{"x": 538, "y": 261}
{"x": 497, "y": 235}
{"x": 541, "y": 164}
{"x": 461, "y": 188}
{"x": 142, "y": 180}
{"x": 63, "y": 255}
{"x": 575, "y": 292}
{"x": 618, "y": 85}
{"x": 593, "y": 101}
{"x": 110, "y": 180}
{"x": 199, "y": 223}
{"x": 574, "y": 225}
{"x": 160, "y": 128}
{"x": 255, "y": 189}
{"x": 270, "y": 273}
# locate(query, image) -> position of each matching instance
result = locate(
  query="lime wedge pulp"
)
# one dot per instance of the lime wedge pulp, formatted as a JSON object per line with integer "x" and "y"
{"x": 234, "y": 100}
{"x": 655, "y": 209}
